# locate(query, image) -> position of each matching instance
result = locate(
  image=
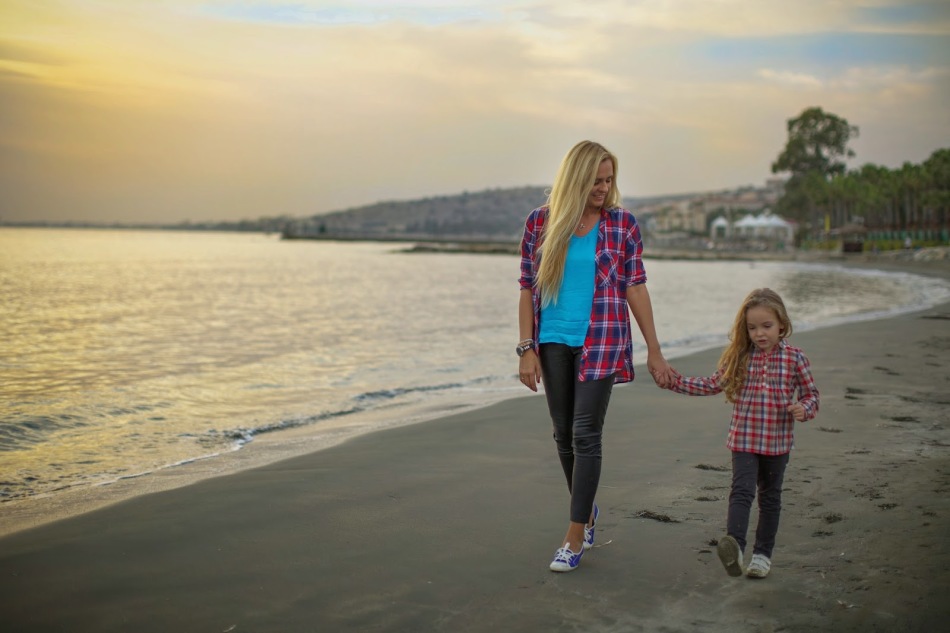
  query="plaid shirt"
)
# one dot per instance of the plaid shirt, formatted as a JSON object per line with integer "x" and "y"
{"x": 761, "y": 422}
{"x": 608, "y": 346}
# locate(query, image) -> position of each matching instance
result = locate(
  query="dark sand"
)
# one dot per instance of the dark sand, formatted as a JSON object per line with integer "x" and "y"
{"x": 449, "y": 525}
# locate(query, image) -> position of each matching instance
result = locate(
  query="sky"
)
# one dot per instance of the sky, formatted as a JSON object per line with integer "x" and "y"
{"x": 170, "y": 111}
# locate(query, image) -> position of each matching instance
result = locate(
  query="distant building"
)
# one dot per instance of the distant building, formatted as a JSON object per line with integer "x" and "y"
{"x": 690, "y": 215}
{"x": 766, "y": 231}
{"x": 681, "y": 215}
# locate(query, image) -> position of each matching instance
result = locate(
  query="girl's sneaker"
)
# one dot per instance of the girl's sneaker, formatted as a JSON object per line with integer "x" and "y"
{"x": 589, "y": 531}
{"x": 565, "y": 559}
{"x": 759, "y": 566}
{"x": 730, "y": 555}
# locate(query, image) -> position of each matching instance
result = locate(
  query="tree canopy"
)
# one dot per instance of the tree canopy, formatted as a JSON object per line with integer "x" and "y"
{"x": 817, "y": 142}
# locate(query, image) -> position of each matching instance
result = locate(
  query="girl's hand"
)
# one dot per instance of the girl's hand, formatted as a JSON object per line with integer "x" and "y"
{"x": 797, "y": 411}
{"x": 529, "y": 370}
{"x": 673, "y": 375}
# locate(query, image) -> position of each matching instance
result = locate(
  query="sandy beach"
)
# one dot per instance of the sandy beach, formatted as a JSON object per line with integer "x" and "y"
{"x": 449, "y": 525}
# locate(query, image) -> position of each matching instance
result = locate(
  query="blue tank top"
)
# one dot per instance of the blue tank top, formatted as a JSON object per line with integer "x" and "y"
{"x": 567, "y": 320}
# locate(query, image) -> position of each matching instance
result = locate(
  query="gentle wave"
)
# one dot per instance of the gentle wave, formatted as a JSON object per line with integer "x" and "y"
{"x": 203, "y": 342}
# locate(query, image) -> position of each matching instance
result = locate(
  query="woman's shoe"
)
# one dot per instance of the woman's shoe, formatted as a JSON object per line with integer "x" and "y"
{"x": 565, "y": 559}
{"x": 730, "y": 555}
{"x": 589, "y": 531}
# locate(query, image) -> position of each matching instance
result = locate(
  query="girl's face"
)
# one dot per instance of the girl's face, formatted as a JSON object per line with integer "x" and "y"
{"x": 764, "y": 327}
{"x": 603, "y": 183}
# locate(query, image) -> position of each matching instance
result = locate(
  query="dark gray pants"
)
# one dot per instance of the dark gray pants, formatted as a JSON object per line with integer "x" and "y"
{"x": 751, "y": 473}
{"x": 577, "y": 410}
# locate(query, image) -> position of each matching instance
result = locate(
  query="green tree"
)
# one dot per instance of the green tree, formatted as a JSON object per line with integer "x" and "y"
{"x": 817, "y": 141}
{"x": 816, "y": 149}
{"x": 937, "y": 175}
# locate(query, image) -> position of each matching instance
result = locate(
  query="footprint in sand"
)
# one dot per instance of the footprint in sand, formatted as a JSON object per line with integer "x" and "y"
{"x": 656, "y": 516}
{"x": 712, "y": 467}
{"x": 852, "y": 393}
{"x": 886, "y": 370}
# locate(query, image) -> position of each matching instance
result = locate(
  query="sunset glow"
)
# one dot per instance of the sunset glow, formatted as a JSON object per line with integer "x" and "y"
{"x": 162, "y": 112}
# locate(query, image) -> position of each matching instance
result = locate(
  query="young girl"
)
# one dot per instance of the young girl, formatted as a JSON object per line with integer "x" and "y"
{"x": 770, "y": 385}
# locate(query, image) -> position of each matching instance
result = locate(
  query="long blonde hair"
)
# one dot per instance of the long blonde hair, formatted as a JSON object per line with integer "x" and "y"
{"x": 733, "y": 364}
{"x": 566, "y": 203}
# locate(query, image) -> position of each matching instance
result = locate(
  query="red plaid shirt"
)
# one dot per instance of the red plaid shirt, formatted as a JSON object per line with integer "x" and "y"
{"x": 608, "y": 347}
{"x": 761, "y": 422}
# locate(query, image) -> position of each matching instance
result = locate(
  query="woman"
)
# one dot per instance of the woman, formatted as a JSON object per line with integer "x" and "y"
{"x": 581, "y": 268}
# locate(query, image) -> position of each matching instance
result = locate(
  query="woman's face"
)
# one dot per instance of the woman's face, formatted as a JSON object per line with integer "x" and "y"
{"x": 602, "y": 185}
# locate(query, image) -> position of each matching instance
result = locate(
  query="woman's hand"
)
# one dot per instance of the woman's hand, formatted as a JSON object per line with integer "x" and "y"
{"x": 529, "y": 370}
{"x": 638, "y": 298}
{"x": 663, "y": 374}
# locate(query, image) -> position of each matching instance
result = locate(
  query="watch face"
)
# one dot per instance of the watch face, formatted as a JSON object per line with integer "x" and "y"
{"x": 519, "y": 351}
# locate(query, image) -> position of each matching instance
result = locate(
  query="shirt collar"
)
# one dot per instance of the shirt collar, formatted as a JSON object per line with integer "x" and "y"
{"x": 782, "y": 344}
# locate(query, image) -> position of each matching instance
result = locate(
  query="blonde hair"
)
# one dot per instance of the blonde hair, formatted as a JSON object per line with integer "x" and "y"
{"x": 733, "y": 364}
{"x": 566, "y": 203}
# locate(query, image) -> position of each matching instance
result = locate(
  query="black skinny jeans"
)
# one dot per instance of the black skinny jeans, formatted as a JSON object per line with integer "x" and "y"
{"x": 578, "y": 410}
{"x": 751, "y": 473}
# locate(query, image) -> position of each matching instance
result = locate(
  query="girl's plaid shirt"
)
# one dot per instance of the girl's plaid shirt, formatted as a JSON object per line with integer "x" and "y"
{"x": 761, "y": 422}
{"x": 608, "y": 347}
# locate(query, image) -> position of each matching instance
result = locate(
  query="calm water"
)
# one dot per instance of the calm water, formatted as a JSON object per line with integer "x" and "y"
{"x": 126, "y": 352}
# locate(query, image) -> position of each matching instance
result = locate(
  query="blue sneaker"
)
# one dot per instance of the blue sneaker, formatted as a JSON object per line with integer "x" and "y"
{"x": 589, "y": 531}
{"x": 565, "y": 559}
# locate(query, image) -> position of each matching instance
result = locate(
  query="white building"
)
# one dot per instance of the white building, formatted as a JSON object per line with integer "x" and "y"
{"x": 766, "y": 227}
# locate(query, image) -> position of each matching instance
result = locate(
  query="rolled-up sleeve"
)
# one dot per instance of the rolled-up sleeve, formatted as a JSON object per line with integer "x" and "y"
{"x": 529, "y": 242}
{"x": 808, "y": 391}
{"x": 633, "y": 271}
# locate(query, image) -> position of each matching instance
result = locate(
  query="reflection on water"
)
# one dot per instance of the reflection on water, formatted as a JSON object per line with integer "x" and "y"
{"x": 819, "y": 294}
{"x": 128, "y": 351}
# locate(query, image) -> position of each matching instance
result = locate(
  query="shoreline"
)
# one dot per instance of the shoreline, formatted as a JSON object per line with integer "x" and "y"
{"x": 266, "y": 449}
{"x": 449, "y": 526}
{"x": 898, "y": 258}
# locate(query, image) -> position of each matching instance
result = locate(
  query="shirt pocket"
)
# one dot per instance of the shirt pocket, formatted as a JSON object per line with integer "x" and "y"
{"x": 780, "y": 391}
{"x": 607, "y": 269}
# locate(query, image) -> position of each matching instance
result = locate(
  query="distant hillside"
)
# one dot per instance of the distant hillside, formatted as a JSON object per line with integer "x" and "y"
{"x": 492, "y": 215}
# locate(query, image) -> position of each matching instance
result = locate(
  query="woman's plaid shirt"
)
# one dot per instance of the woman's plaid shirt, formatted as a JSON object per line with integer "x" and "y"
{"x": 761, "y": 422}
{"x": 608, "y": 347}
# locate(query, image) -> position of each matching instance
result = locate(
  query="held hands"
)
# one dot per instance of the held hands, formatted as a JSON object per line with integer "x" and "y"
{"x": 797, "y": 411}
{"x": 663, "y": 374}
{"x": 529, "y": 370}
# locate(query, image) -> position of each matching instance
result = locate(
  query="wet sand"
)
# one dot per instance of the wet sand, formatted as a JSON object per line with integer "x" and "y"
{"x": 449, "y": 525}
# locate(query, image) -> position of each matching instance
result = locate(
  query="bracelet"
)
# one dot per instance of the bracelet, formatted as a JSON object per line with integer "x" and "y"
{"x": 526, "y": 342}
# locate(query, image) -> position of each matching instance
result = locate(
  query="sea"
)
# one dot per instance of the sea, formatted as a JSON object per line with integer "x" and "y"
{"x": 128, "y": 353}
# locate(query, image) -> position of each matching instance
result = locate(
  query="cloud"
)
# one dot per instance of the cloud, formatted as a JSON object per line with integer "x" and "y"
{"x": 795, "y": 80}
{"x": 433, "y": 13}
{"x": 180, "y": 110}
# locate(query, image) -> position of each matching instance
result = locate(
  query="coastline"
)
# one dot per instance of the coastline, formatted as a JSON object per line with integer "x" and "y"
{"x": 450, "y": 525}
{"x": 265, "y": 449}
{"x": 892, "y": 260}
